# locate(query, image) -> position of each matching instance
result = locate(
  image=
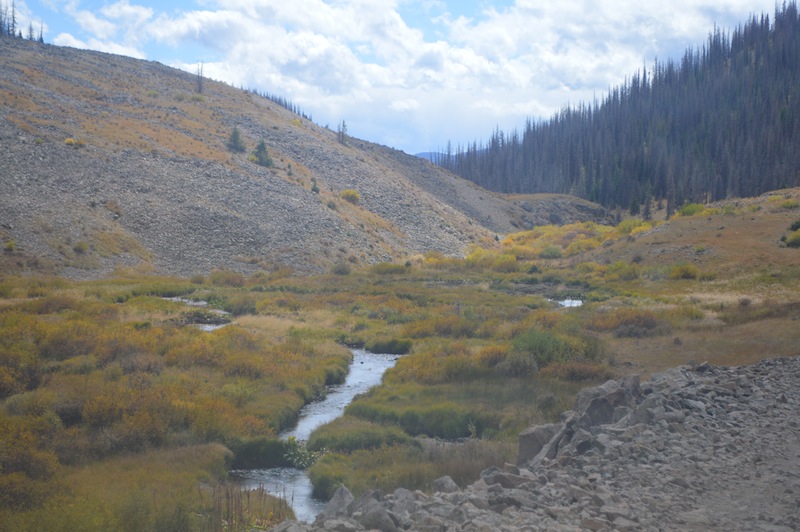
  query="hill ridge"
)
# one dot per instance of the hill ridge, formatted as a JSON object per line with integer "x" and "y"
{"x": 102, "y": 149}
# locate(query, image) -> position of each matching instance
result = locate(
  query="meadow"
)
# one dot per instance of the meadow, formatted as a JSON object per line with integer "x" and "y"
{"x": 119, "y": 412}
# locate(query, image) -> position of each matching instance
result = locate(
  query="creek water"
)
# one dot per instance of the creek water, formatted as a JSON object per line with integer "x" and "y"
{"x": 293, "y": 484}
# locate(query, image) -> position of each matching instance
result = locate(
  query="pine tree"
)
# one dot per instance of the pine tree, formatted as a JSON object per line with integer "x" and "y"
{"x": 261, "y": 156}
{"x": 235, "y": 142}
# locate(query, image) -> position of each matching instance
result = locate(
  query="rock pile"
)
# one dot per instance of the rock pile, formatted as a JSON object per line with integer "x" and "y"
{"x": 695, "y": 448}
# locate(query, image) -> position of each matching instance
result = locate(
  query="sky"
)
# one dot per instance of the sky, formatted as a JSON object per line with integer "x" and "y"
{"x": 410, "y": 74}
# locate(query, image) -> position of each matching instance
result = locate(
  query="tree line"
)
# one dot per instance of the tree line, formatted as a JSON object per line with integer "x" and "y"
{"x": 9, "y": 24}
{"x": 721, "y": 122}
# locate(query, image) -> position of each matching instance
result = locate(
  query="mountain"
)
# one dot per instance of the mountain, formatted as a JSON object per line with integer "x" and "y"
{"x": 111, "y": 162}
{"x": 722, "y": 122}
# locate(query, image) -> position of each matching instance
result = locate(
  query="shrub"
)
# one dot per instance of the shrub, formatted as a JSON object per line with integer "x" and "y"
{"x": 790, "y": 204}
{"x": 9, "y": 246}
{"x": 80, "y": 247}
{"x": 622, "y": 271}
{"x": 551, "y": 252}
{"x": 75, "y": 143}
{"x": 388, "y": 268}
{"x": 226, "y": 278}
{"x": 351, "y": 196}
{"x": 393, "y": 346}
{"x": 793, "y": 240}
{"x": 341, "y": 268}
{"x": 625, "y": 227}
{"x": 684, "y": 271}
{"x": 795, "y": 226}
{"x": 347, "y": 434}
{"x": 542, "y": 347}
{"x": 579, "y": 371}
{"x": 691, "y": 209}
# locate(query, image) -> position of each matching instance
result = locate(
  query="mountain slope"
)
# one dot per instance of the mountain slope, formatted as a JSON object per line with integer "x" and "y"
{"x": 110, "y": 161}
{"x": 722, "y": 122}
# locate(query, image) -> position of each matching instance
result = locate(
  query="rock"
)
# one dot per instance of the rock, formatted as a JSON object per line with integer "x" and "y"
{"x": 338, "y": 505}
{"x": 444, "y": 485}
{"x": 727, "y": 436}
{"x": 532, "y": 440}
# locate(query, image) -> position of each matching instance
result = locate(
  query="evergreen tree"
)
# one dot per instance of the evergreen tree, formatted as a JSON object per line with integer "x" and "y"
{"x": 722, "y": 121}
{"x": 261, "y": 156}
{"x": 235, "y": 142}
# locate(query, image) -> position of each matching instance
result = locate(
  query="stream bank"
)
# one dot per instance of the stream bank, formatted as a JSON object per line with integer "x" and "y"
{"x": 292, "y": 484}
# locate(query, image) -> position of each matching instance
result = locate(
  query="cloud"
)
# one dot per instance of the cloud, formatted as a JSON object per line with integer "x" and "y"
{"x": 410, "y": 72}
{"x": 407, "y": 104}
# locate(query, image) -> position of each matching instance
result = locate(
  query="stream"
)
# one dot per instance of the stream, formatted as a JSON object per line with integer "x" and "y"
{"x": 293, "y": 484}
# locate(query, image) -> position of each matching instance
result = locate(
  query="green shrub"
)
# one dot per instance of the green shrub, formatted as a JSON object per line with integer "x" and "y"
{"x": 392, "y": 346}
{"x": 80, "y": 247}
{"x": 793, "y": 240}
{"x": 226, "y": 278}
{"x": 622, "y": 271}
{"x": 691, "y": 209}
{"x": 551, "y": 252}
{"x": 543, "y": 347}
{"x": 684, "y": 271}
{"x": 9, "y": 246}
{"x": 795, "y": 226}
{"x": 347, "y": 434}
{"x": 341, "y": 268}
{"x": 351, "y": 196}
{"x": 388, "y": 268}
{"x": 790, "y": 204}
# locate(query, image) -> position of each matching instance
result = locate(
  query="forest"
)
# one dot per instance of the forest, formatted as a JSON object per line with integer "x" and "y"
{"x": 722, "y": 122}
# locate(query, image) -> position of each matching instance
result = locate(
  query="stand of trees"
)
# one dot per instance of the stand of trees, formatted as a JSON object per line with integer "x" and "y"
{"x": 9, "y": 24}
{"x": 723, "y": 121}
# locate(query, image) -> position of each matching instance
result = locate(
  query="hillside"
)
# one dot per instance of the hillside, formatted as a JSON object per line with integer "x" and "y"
{"x": 723, "y": 121}
{"x": 110, "y": 161}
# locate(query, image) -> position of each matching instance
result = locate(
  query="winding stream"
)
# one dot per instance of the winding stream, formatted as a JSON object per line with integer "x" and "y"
{"x": 293, "y": 484}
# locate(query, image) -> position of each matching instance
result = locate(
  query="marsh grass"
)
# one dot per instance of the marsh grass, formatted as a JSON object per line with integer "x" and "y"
{"x": 104, "y": 382}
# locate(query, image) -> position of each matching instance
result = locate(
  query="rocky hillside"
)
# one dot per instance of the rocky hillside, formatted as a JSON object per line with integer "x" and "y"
{"x": 110, "y": 161}
{"x": 695, "y": 448}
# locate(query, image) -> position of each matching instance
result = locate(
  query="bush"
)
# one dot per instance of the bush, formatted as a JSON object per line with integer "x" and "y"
{"x": 9, "y": 246}
{"x": 543, "y": 347}
{"x": 341, "y": 268}
{"x": 795, "y": 226}
{"x": 347, "y": 434}
{"x": 684, "y": 271}
{"x": 551, "y": 252}
{"x": 259, "y": 452}
{"x": 691, "y": 209}
{"x": 790, "y": 204}
{"x": 793, "y": 240}
{"x": 393, "y": 346}
{"x": 351, "y": 196}
{"x": 388, "y": 268}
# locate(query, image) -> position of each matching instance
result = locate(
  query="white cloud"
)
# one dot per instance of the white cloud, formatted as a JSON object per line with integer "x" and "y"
{"x": 407, "y": 104}
{"x": 361, "y": 61}
{"x": 66, "y": 39}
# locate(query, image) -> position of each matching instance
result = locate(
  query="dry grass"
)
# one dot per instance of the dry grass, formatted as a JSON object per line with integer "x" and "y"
{"x": 718, "y": 344}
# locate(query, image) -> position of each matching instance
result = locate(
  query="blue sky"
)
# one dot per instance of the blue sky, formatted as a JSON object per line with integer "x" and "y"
{"x": 410, "y": 74}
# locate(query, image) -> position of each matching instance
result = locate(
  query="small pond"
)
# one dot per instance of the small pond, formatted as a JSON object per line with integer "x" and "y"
{"x": 292, "y": 484}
